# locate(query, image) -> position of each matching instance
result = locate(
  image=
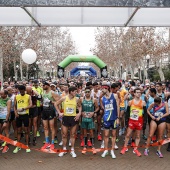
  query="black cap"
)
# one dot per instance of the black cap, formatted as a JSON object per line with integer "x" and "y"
{"x": 36, "y": 81}
{"x": 46, "y": 83}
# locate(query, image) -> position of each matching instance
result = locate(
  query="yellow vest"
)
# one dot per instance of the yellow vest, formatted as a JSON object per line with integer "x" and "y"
{"x": 40, "y": 92}
{"x": 22, "y": 102}
{"x": 70, "y": 106}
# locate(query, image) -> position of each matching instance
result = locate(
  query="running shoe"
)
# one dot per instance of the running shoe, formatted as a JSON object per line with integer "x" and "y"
{"x": 28, "y": 150}
{"x": 82, "y": 143}
{"x": 159, "y": 154}
{"x": 4, "y": 144}
{"x": 38, "y": 134}
{"x": 73, "y": 154}
{"x": 117, "y": 139}
{"x": 46, "y": 146}
{"x": 56, "y": 140}
{"x": 102, "y": 144}
{"x": 104, "y": 154}
{"x": 16, "y": 150}
{"x": 154, "y": 138}
{"x": 146, "y": 152}
{"x": 61, "y": 143}
{"x": 84, "y": 151}
{"x": 89, "y": 143}
{"x": 5, "y": 149}
{"x": 135, "y": 151}
{"x": 112, "y": 154}
{"x": 52, "y": 146}
{"x": 61, "y": 154}
{"x": 144, "y": 137}
{"x": 69, "y": 143}
{"x": 116, "y": 147}
{"x": 125, "y": 149}
{"x": 99, "y": 137}
{"x": 94, "y": 151}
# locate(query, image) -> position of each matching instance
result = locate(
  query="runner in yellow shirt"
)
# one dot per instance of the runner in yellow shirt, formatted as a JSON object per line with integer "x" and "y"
{"x": 122, "y": 93}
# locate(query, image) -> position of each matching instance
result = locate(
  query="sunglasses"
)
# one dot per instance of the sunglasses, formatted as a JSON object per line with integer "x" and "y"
{"x": 87, "y": 91}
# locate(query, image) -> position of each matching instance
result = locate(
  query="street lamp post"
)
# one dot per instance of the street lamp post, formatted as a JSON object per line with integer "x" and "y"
{"x": 34, "y": 71}
{"x": 147, "y": 60}
{"x": 37, "y": 68}
{"x": 125, "y": 74}
{"x": 121, "y": 71}
{"x": 17, "y": 67}
{"x": 147, "y": 65}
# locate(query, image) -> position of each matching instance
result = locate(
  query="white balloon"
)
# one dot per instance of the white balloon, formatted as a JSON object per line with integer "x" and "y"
{"x": 29, "y": 56}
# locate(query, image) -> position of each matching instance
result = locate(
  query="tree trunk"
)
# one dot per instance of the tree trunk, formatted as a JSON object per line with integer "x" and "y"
{"x": 15, "y": 71}
{"x": 132, "y": 72}
{"x": 27, "y": 72}
{"x": 161, "y": 74}
{"x": 160, "y": 71}
{"x": 21, "y": 72}
{"x": 1, "y": 63}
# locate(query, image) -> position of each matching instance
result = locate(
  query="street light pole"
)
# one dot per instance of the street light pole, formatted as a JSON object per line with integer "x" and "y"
{"x": 37, "y": 68}
{"x": 17, "y": 66}
{"x": 121, "y": 71}
{"x": 34, "y": 72}
{"x": 147, "y": 65}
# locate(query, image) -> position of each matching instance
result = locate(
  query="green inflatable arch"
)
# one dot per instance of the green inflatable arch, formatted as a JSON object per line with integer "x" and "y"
{"x": 81, "y": 58}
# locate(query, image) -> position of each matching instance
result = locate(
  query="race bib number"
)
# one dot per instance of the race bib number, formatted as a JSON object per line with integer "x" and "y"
{"x": 134, "y": 115}
{"x": 158, "y": 114}
{"x": 46, "y": 102}
{"x": 3, "y": 113}
{"x": 69, "y": 110}
{"x": 22, "y": 112}
{"x": 39, "y": 96}
{"x": 108, "y": 107}
{"x": 87, "y": 114}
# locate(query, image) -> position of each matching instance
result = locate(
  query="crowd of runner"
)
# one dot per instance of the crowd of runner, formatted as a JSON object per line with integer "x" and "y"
{"x": 117, "y": 108}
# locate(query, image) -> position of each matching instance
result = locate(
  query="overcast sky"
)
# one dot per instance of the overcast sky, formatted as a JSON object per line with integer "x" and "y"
{"x": 84, "y": 38}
